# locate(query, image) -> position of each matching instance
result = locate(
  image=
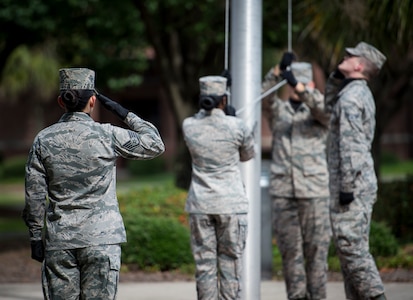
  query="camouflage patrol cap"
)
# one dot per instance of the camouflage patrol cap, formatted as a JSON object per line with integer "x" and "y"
{"x": 77, "y": 79}
{"x": 302, "y": 71}
{"x": 213, "y": 85}
{"x": 369, "y": 52}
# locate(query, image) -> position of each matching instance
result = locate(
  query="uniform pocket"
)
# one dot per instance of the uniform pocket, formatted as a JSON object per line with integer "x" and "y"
{"x": 114, "y": 257}
{"x": 243, "y": 231}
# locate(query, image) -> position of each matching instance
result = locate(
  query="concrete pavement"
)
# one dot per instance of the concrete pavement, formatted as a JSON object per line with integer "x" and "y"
{"x": 185, "y": 290}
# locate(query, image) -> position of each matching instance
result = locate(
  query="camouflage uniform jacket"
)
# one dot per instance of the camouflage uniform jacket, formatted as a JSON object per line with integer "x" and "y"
{"x": 217, "y": 144}
{"x": 72, "y": 165}
{"x": 352, "y": 124}
{"x": 299, "y": 163}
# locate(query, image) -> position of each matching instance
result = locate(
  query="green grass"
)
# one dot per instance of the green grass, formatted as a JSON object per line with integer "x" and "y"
{"x": 392, "y": 168}
{"x": 12, "y": 195}
{"x": 12, "y": 192}
{"x": 400, "y": 168}
{"x": 10, "y": 199}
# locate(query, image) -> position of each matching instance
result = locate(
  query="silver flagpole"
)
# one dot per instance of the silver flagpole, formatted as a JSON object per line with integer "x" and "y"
{"x": 226, "y": 66}
{"x": 290, "y": 20}
{"x": 246, "y": 48}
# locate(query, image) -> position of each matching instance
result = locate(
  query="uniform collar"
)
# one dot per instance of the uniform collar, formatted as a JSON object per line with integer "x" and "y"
{"x": 213, "y": 112}
{"x": 349, "y": 80}
{"x": 75, "y": 116}
{"x": 217, "y": 111}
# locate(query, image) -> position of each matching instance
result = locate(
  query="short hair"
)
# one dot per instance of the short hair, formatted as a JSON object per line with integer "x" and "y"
{"x": 370, "y": 70}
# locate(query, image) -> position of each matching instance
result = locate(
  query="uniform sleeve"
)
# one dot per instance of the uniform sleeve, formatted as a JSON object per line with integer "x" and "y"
{"x": 141, "y": 141}
{"x": 270, "y": 100}
{"x": 35, "y": 193}
{"x": 247, "y": 148}
{"x": 315, "y": 101}
{"x": 350, "y": 141}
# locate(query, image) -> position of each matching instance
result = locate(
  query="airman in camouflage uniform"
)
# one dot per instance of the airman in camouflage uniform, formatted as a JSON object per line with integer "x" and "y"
{"x": 353, "y": 183}
{"x": 299, "y": 178}
{"x": 217, "y": 203}
{"x": 71, "y": 199}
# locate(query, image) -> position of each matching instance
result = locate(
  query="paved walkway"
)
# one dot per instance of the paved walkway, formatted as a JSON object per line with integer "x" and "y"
{"x": 270, "y": 290}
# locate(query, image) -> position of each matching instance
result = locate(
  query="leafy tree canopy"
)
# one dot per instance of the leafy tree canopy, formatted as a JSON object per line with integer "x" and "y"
{"x": 186, "y": 40}
{"x": 101, "y": 34}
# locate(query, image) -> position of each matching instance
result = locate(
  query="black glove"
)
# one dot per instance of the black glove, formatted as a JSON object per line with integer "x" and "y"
{"x": 346, "y": 198}
{"x": 37, "y": 250}
{"x": 113, "y": 106}
{"x": 286, "y": 60}
{"x": 230, "y": 110}
{"x": 289, "y": 76}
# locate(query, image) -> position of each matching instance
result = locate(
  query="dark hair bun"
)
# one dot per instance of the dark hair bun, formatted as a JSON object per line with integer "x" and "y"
{"x": 70, "y": 99}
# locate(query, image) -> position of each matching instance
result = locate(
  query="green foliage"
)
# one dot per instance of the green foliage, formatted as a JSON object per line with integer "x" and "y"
{"x": 120, "y": 83}
{"x": 277, "y": 267}
{"x": 105, "y": 35}
{"x": 399, "y": 23}
{"x": 191, "y": 33}
{"x": 146, "y": 167}
{"x": 388, "y": 158}
{"x": 155, "y": 242}
{"x": 396, "y": 168}
{"x": 156, "y": 201}
{"x": 101, "y": 34}
{"x": 13, "y": 168}
{"x": 12, "y": 225}
{"x": 156, "y": 225}
{"x": 395, "y": 206}
{"x": 403, "y": 259}
{"x": 320, "y": 21}
{"x": 29, "y": 14}
{"x": 383, "y": 246}
{"x": 275, "y": 25}
{"x": 333, "y": 263}
{"x": 382, "y": 241}
{"x": 30, "y": 71}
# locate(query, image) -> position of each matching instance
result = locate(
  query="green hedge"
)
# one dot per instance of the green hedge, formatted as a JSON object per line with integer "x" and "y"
{"x": 159, "y": 238}
{"x": 156, "y": 243}
{"x": 146, "y": 167}
{"x": 382, "y": 242}
{"x": 161, "y": 201}
{"x": 383, "y": 246}
{"x": 395, "y": 207}
{"x": 157, "y": 228}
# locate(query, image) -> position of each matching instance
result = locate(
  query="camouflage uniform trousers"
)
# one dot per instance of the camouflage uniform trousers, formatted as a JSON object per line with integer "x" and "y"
{"x": 351, "y": 229}
{"x": 302, "y": 231}
{"x": 218, "y": 243}
{"x": 84, "y": 273}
